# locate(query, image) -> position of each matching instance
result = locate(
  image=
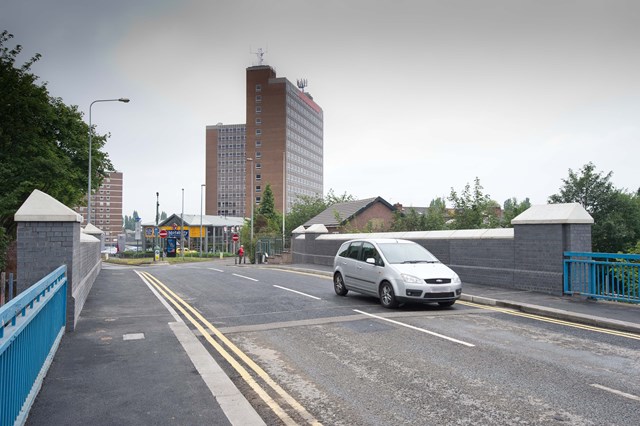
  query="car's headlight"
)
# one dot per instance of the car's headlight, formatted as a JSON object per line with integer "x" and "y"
{"x": 411, "y": 279}
{"x": 456, "y": 279}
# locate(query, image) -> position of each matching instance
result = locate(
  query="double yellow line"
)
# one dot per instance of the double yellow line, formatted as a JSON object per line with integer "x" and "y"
{"x": 552, "y": 320}
{"x": 200, "y": 323}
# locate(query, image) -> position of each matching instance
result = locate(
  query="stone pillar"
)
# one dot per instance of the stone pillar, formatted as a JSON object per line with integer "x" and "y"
{"x": 541, "y": 235}
{"x": 48, "y": 235}
{"x": 92, "y": 230}
{"x": 311, "y": 248}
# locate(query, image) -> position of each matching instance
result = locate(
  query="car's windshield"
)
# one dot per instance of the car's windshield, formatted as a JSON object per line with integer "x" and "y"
{"x": 406, "y": 253}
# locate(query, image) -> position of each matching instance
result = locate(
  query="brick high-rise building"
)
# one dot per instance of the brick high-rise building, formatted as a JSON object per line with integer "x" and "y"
{"x": 106, "y": 206}
{"x": 283, "y": 137}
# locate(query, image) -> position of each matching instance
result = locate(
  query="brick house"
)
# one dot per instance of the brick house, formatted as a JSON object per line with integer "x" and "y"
{"x": 368, "y": 215}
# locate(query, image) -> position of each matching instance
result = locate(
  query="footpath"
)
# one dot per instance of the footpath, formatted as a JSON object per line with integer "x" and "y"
{"x": 130, "y": 361}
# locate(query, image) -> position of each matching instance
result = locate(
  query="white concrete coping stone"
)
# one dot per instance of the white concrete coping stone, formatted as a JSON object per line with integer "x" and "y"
{"x": 299, "y": 230}
{"x": 553, "y": 213}
{"x": 91, "y": 229}
{"x": 317, "y": 229}
{"x": 497, "y": 233}
{"x": 41, "y": 207}
{"x": 88, "y": 238}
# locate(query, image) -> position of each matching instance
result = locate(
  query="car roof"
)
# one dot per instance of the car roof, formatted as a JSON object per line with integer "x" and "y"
{"x": 382, "y": 240}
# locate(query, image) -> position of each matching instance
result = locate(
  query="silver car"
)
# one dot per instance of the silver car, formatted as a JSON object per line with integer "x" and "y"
{"x": 394, "y": 270}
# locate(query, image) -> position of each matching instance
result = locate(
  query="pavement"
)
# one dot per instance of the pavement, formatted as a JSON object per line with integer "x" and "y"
{"x": 132, "y": 361}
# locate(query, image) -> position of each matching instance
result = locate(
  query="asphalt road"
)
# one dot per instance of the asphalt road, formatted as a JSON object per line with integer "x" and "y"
{"x": 347, "y": 361}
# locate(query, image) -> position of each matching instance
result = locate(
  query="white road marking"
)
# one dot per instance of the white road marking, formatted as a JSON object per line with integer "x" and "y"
{"x": 247, "y": 278}
{"x": 298, "y": 292}
{"x": 617, "y": 392}
{"x": 416, "y": 328}
{"x": 133, "y": 336}
{"x": 217, "y": 270}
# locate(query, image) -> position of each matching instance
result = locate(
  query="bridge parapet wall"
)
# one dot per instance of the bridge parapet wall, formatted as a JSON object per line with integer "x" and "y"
{"x": 49, "y": 235}
{"x": 528, "y": 256}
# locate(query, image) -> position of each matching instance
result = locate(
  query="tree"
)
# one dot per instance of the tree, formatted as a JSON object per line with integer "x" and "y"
{"x": 305, "y": 208}
{"x": 436, "y": 215}
{"x": 332, "y": 198}
{"x": 43, "y": 142}
{"x": 163, "y": 215}
{"x": 410, "y": 220}
{"x": 130, "y": 221}
{"x": 267, "y": 203}
{"x": 616, "y": 213}
{"x": 589, "y": 188}
{"x": 513, "y": 208}
{"x": 473, "y": 209}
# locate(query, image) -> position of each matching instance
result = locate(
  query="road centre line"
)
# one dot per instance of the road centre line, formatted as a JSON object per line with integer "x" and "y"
{"x": 617, "y": 392}
{"x": 246, "y": 278}
{"x": 298, "y": 292}
{"x": 416, "y": 328}
{"x": 217, "y": 270}
{"x": 273, "y": 405}
{"x": 551, "y": 320}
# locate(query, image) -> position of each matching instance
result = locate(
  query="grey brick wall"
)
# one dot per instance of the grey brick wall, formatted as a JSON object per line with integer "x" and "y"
{"x": 44, "y": 246}
{"x": 531, "y": 260}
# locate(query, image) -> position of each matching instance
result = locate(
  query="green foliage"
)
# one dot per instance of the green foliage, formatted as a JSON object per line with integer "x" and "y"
{"x": 4, "y": 245}
{"x": 305, "y": 208}
{"x": 308, "y": 207}
{"x": 267, "y": 206}
{"x": 332, "y": 198}
{"x": 436, "y": 218}
{"x": 410, "y": 220}
{"x": 130, "y": 221}
{"x": 615, "y": 212}
{"x": 513, "y": 208}
{"x": 43, "y": 142}
{"x": 473, "y": 209}
{"x": 163, "y": 216}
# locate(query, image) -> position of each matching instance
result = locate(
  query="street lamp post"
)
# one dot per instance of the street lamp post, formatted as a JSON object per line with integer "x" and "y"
{"x": 201, "y": 186}
{"x": 155, "y": 231}
{"x": 125, "y": 100}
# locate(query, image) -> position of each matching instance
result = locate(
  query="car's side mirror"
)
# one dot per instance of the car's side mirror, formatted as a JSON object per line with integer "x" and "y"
{"x": 371, "y": 260}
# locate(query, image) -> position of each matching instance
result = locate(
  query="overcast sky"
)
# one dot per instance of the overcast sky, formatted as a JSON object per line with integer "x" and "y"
{"x": 418, "y": 96}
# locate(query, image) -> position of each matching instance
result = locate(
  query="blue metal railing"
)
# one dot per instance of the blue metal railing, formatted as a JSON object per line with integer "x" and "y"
{"x": 609, "y": 276}
{"x": 31, "y": 326}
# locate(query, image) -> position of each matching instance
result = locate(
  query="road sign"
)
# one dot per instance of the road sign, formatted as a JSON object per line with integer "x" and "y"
{"x": 235, "y": 237}
{"x": 163, "y": 233}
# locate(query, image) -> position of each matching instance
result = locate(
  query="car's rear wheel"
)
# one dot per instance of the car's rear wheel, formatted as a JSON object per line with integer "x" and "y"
{"x": 447, "y": 303}
{"x": 338, "y": 285}
{"x": 387, "y": 296}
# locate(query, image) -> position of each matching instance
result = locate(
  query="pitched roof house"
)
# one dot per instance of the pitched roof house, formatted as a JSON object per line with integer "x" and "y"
{"x": 368, "y": 215}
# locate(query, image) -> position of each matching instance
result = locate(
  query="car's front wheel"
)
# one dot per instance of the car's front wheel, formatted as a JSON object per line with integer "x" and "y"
{"x": 387, "y": 296}
{"x": 447, "y": 303}
{"x": 338, "y": 285}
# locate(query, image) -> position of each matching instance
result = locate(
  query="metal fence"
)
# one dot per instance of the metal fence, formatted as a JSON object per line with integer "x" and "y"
{"x": 609, "y": 276}
{"x": 8, "y": 287}
{"x": 31, "y": 326}
{"x": 266, "y": 247}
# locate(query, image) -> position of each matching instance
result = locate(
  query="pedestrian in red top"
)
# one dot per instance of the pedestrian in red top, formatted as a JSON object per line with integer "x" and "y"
{"x": 241, "y": 253}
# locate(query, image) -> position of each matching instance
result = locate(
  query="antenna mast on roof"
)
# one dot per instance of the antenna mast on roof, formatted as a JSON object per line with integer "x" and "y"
{"x": 260, "y": 55}
{"x": 302, "y": 83}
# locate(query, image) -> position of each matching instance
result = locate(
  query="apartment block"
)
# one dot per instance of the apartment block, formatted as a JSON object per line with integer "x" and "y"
{"x": 281, "y": 144}
{"x": 106, "y": 208}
